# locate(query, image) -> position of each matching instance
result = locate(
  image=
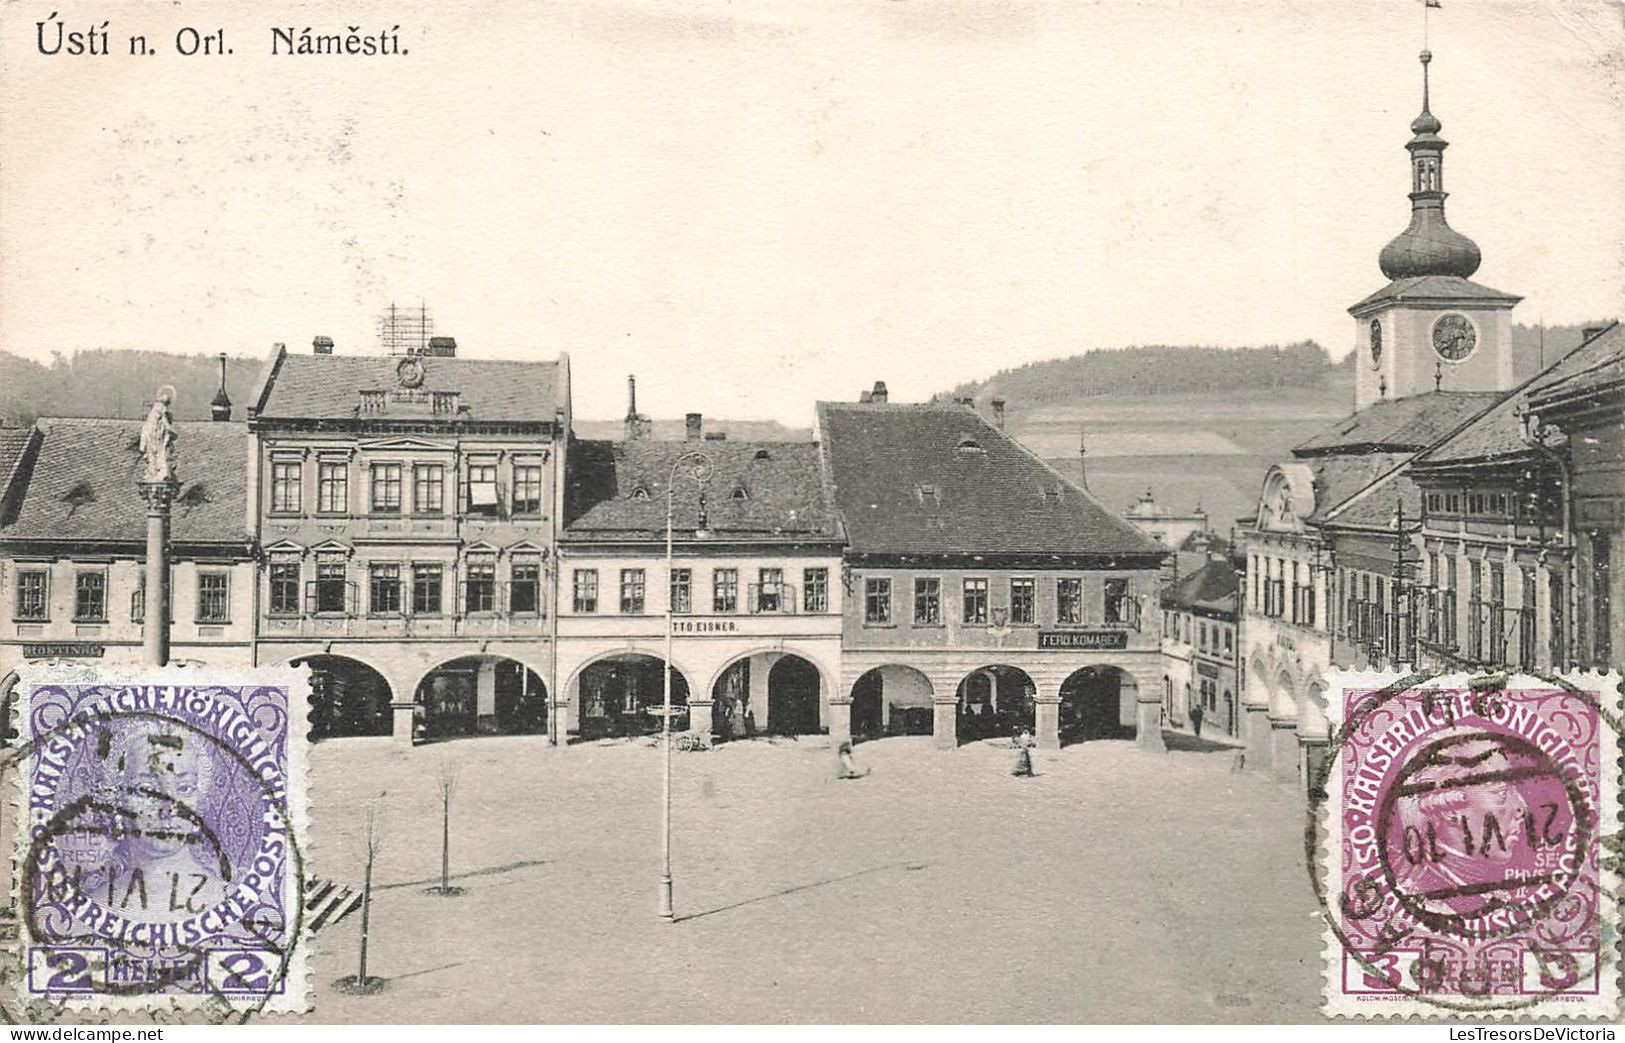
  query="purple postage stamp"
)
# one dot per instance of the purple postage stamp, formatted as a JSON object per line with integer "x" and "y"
{"x": 161, "y": 818}
{"x": 1471, "y": 846}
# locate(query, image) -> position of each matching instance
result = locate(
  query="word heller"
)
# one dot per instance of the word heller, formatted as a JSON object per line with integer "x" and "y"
{"x": 54, "y": 37}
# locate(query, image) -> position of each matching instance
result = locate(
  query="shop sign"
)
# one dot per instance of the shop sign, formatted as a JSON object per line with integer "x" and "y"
{"x": 1072, "y": 640}
{"x": 63, "y": 650}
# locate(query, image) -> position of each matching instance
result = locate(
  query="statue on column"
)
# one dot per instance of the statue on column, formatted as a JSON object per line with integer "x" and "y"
{"x": 158, "y": 440}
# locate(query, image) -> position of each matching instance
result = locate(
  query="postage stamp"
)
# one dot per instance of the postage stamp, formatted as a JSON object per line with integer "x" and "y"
{"x": 1470, "y": 862}
{"x": 162, "y": 819}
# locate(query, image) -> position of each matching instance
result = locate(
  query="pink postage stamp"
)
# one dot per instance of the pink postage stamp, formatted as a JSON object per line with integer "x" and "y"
{"x": 1471, "y": 850}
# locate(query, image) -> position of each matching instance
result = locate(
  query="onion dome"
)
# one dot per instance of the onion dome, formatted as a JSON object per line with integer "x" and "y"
{"x": 1428, "y": 246}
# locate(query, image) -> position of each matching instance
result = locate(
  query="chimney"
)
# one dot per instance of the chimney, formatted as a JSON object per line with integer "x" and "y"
{"x": 879, "y": 394}
{"x": 692, "y": 426}
{"x": 322, "y": 346}
{"x": 220, "y": 408}
{"x": 998, "y": 413}
{"x": 631, "y": 396}
{"x": 442, "y": 347}
{"x": 1083, "y": 459}
{"x": 866, "y": 396}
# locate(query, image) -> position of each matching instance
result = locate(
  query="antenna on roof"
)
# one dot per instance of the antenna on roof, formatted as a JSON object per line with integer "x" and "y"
{"x": 403, "y": 332}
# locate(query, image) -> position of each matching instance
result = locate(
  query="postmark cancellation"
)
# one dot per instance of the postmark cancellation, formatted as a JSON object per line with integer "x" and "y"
{"x": 162, "y": 832}
{"x": 1469, "y": 863}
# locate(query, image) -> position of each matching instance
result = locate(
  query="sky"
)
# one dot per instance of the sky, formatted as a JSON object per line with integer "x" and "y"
{"x": 753, "y": 206}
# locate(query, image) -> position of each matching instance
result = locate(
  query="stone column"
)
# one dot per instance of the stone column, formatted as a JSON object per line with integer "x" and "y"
{"x": 1148, "y": 724}
{"x": 840, "y": 720}
{"x": 159, "y": 497}
{"x": 559, "y": 725}
{"x": 1256, "y": 728}
{"x": 1284, "y": 748}
{"x": 1047, "y": 722}
{"x": 699, "y": 717}
{"x": 402, "y": 717}
{"x": 945, "y": 724}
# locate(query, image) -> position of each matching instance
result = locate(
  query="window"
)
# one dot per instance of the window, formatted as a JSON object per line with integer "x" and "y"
{"x": 285, "y": 483}
{"x": 1475, "y": 609}
{"x": 877, "y": 600}
{"x": 1229, "y": 641}
{"x": 527, "y": 489}
{"x": 815, "y": 590}
{"x": 725, "y": 590}
{"x": 384, "y": 588}
{"x": 1119, "y": 608}
{"x": 682, "y": 591}
{"x": 213, "y": 597}
{"x": 428, "y": 489}
{"x": 1023, "y": 600}
{"x": 525, "y": 591}
{"x": 975, "y": 613}
{"x": 480, "y": 585}
{"x": 386, "y": 488}
{"x": 138, "y": 596}
{"x": 428, "y": 582}
{"x": 1201, "y": 635}
{"x": 333, "y": 486}
{"x": 482, "y": 489}
{"x": 584, "y": 591}
{"x": 1526, "y": 619}
{"x": 331, "y": 585}
{"x": 632, "y": 587}
{"x": 927, "y": 600}
{"x": 90, "y": 597}
{"x": 1559, "y": 602}
{"x": 284, "y": 587}
{"x": 769, "y": 590}
{"x": 32, "y": 600}
{"x": 1069, "y": 600}
{"x": 1602, "y": 608}
{"x": 1447, "y": 604}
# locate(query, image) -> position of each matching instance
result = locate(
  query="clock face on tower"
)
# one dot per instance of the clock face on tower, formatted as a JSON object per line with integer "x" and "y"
{"x": 1376, "y": 343}
{"x": 1454, "y": 337}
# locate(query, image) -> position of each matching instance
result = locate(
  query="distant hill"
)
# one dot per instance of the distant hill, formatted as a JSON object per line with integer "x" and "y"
{"x": 108, "y": 383}
{"x": 675, "y": 430}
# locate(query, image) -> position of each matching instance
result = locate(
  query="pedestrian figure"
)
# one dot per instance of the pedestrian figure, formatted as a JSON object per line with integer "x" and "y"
{"x": 1196, "y": 719}
{"x": 1024, "y": 755}
{"x": 848, "y": 769}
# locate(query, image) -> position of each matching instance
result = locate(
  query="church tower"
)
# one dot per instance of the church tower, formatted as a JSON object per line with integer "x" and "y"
{"x": 1431, "y": 328}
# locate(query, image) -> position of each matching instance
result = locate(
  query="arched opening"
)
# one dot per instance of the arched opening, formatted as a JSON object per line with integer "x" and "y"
{"x": 481, "y": 695}
{"x": 995, "y": 702}
{"x": 620, "y": 694}
{"x": 779, "y": 693}
{"x": 348, "y": 698}
{"x": 891, "y": 700}
{"x": 1097, "y": 702}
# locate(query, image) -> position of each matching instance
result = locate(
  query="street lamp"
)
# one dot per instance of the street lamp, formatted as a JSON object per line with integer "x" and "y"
{"x": 699, "y": 469}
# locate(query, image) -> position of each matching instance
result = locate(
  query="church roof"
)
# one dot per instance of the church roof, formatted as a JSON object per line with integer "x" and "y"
{"x": 1433, "y": 289}
{"x": 1498, "y": 433}
{"x": 616, "y": 491}
{"x": 82, "y": 485}
{"x": 938, "y": 481}
{"x": 328, "y": 387}
{"x": 1407, "y": 424}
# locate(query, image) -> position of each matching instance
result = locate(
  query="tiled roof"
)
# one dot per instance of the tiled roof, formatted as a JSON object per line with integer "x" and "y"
{"x": 1213, "y": 586}
{"x": 82, "y": 485}
{"x": 328, "y": 387}
{"x": 1499, "y": 431}
{"x": 1606, "y": 371}
{"x": 13, "y": 440}
{"x": 1377, "y": 503}
{"x": 905, "y": 487}
{"x": 755, "y": 491}
{"x": 1338, "y": 478}
{"x": 1419, "y": 288}
{"x": 1400, "y": 424}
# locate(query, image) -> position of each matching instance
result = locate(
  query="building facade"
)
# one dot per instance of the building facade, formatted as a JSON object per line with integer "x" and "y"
{"x": 405, "y": 510}
{"x": 1200, "y": 647}
{"x": 985, "y": 592}
{"x": 753, "y": 592}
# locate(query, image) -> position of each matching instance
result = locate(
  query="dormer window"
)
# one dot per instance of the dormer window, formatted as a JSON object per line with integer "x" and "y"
{"x": 969, "y": 444}
{"x": 928, "y": 496}
{"x": 640, "y": 493}
{"x": 739, "y": 493}
{"x": 762, "y": 454}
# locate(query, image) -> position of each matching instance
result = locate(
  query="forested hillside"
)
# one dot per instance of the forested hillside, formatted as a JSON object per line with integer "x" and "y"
{"x": 110, "y": 383}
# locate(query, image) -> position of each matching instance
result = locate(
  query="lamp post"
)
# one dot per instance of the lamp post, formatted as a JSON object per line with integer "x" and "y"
{"x": 699, "y": 468}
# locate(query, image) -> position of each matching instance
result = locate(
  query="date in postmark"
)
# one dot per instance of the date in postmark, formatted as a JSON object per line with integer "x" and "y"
{"x": 160, "y": 851}
{"x": 1464, "y": 867}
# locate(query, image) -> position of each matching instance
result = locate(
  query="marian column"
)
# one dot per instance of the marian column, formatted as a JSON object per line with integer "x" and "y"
{"x": 158, "y": 485}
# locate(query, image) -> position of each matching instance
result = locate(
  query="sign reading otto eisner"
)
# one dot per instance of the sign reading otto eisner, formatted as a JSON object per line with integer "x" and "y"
{"x": 1107, "y": 640}
{"x": 159, "y": 860}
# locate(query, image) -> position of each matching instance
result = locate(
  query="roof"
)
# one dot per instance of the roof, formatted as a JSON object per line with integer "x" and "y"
{"x": 1442, "y": 289}
{"x": 904, "y": 486}
{"x": 1213, "y": 587}
{"x": 328, "y": 387}
{"x": 82, "y": 485}
{"x": 1606, "y": 373}
{"x": 1498, "y": 433}
{"x": 755, "y": 490}
{"x": 13, "y": 440}
{"x": 1399, "y": 425}
{"x": 1339, "y": 478}
{"x": 1375, "y": 504}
